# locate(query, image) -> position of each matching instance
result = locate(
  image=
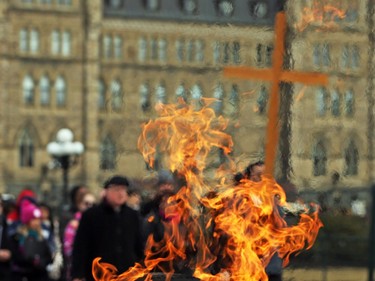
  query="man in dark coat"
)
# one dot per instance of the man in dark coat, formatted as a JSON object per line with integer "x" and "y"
{"x": 110, "y": 230}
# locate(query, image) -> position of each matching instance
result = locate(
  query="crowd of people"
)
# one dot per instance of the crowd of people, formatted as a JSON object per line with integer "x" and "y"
{"x": 36, "y": 245}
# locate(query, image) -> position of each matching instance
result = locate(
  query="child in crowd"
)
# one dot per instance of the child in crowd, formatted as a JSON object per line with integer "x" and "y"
{"x": 31, "y": 253}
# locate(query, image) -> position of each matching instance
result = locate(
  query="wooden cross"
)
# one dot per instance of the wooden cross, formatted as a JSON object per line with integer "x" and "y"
{"x": 275, "y": 75}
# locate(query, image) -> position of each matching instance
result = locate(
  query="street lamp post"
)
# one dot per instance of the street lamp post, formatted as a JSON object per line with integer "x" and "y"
{"x": 62, "y": 150}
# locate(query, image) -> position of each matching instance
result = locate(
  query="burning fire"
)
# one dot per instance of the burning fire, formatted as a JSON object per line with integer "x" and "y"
{"x": 320, "y": 14}
{"x": 217, "y": 231}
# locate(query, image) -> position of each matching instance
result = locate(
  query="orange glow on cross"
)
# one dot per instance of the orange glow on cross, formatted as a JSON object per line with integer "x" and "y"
{"x": 275, "y": 75}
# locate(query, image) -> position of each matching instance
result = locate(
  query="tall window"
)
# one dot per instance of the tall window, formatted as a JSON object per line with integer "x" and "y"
{"x": 154, "y": 49}
{"x": 107, "y": 46}
{"x": 116, "y": 91}
{"x": 108, "y": 154}
{"x": 101, "y": 94}
{"x": 349, "y": 103}
{"x": 144, "y": 93}
{"x": 326, "y": 56}
{"x": 216, "y": 52}
{"x": 117, "y": 47}
{"x": 23, "y": 40}
{"x": 55, "y": 42}
{"x": 356, "y": 57}
{"x": 180, "y": 50}
{"x": 319, "y": 159}
{"x": 234, "y": 99}
{"x": 218, "y": 95}
{"x": 66, "y": 43}
{"x": 60, "y": 88}
{"x": 45, "y": 91}
{"x": 351, "y": 159}
{"x": 264, "y": 54}
{"x": 321, "y": 101}
{"x": 181, "y": 92}
{"x": 317, "y": 55}
{"x": 152, "y": 4}
{"x": 262, "y": 100}
{"x": 227, "y": 52}
{"x": 335, "y": 103}
{"x": 236, "y": 52}
{"x": 34, "y": 41}
{"x": 196, "y": 96}
{"x": 199, "y": 50}
{"x": 28, "y": 89}
{"x": 345, "y": 56}
{"x": 162, "y": 49}
{"x": 115, "y": 3}
{"x": 142, "y": 49}
{"x": 161, "y": 93}
{"x": 26, "y": 149}
{"x": 189, "y": 50}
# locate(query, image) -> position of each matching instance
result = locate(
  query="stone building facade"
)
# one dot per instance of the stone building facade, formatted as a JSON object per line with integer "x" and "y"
{"x": 99, "y": 67}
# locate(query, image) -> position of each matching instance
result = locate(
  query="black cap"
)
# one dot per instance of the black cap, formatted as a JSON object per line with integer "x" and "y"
{"x": 116, "y": 180}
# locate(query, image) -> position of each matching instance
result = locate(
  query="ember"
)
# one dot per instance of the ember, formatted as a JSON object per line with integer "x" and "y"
{"x": 223, "y": 232}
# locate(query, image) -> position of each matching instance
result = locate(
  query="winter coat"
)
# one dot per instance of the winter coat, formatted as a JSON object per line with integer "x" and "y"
{"x": 4, "y": 245}
{"x": 113, "y": 236}
{"x": 30, "y": 255}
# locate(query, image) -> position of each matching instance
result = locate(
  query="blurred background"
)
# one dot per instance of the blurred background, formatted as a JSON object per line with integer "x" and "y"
{"x": 99, "y": 67}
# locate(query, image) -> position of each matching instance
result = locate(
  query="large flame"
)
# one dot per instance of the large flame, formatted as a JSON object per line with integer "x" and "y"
{"x": 217, "y": 231}
{"x": 321, "y": 15}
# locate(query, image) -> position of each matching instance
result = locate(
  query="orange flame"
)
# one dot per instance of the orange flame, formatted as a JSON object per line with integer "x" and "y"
{"x": 320, "y": 15}
{"x": 235, "y": 229}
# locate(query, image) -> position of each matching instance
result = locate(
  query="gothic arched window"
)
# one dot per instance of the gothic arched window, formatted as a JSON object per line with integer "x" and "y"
{"x": 225, "y": 7}
{"x": 319, "y": 159}
{"x": 28, "y": 89}
{"x": 116, "y": 91}
{"x": 26, "y": 149}
{"x": 60, "y": 88}
{"x": 45, "y": 90}
{"x": 108, "y": 154}
{"x": 351, "y": 159}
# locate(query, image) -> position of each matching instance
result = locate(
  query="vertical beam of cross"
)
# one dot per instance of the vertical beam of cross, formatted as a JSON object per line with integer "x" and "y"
{"x": 275, "y": 75}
